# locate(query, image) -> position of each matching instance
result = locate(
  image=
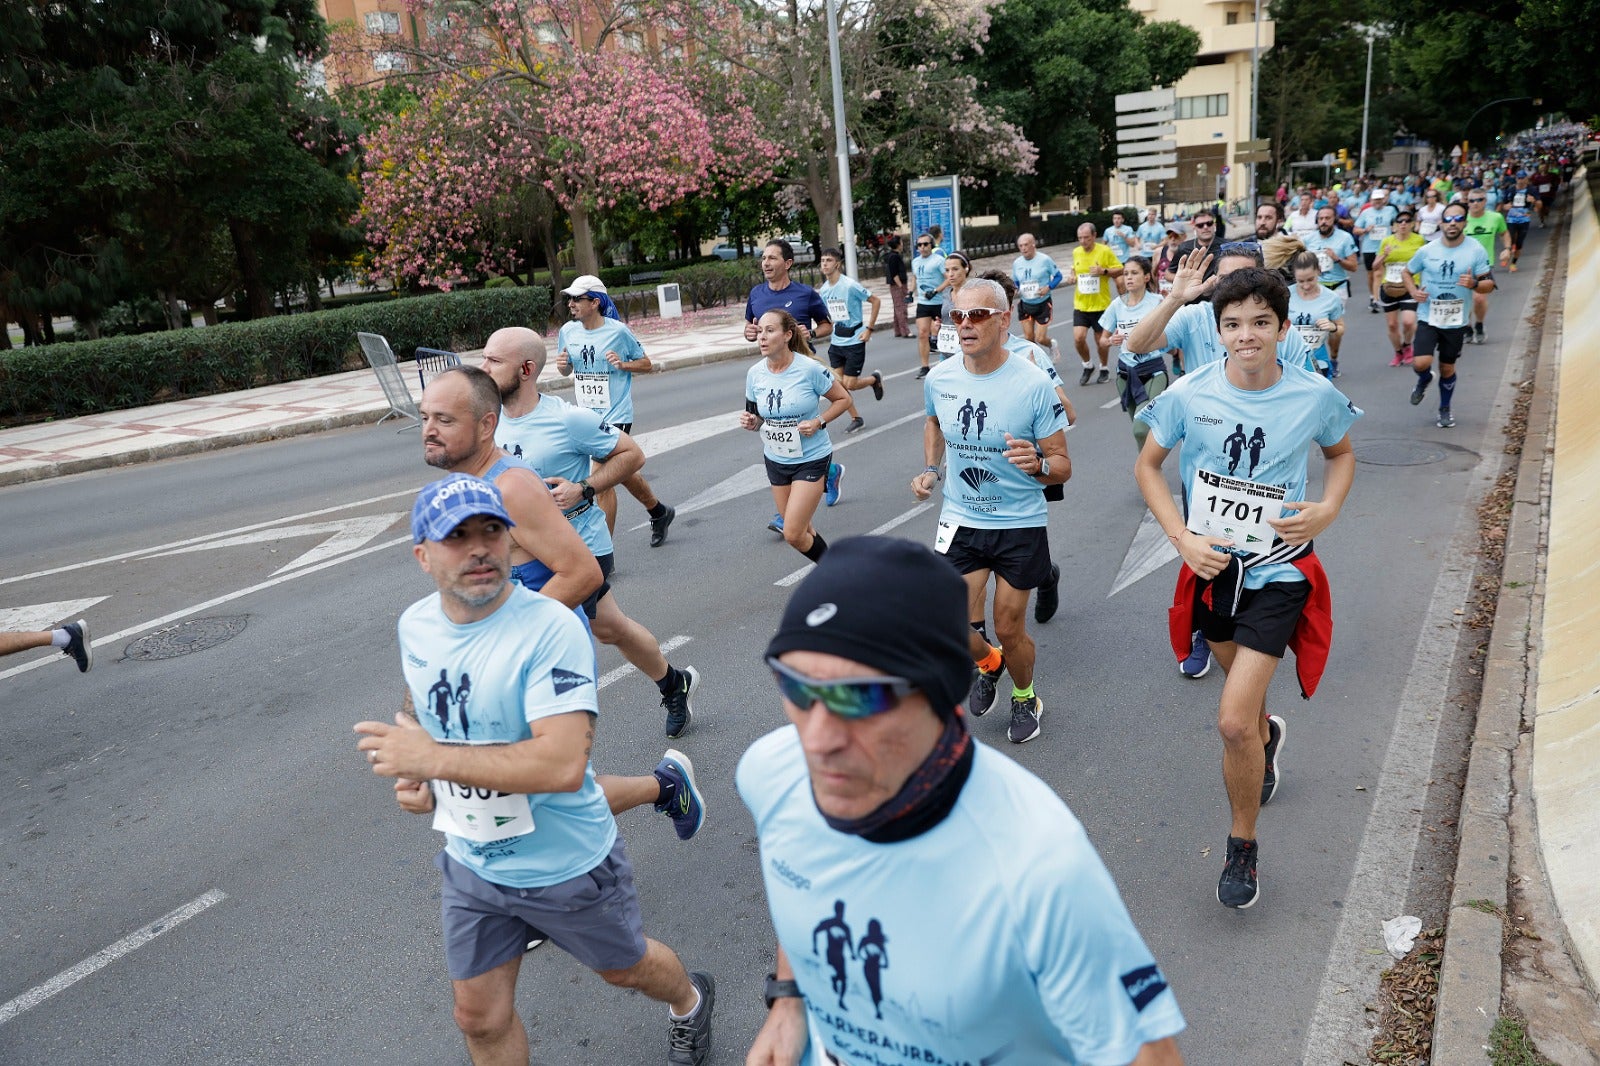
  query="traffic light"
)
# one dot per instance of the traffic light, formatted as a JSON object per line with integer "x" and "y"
{"x": 1344, "y": 159}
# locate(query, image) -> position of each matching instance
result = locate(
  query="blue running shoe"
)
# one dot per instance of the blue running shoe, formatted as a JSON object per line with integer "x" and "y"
{"x": 680, "y": 799}
{"x": 1198, "y": 664}
{"x": 830, "y": 487}
{"x": 776, "y": 525}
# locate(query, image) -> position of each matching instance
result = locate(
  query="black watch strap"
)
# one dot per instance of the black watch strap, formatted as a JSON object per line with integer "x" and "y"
{"x": 588, "y": 489}
{"x": 777, "y": 990}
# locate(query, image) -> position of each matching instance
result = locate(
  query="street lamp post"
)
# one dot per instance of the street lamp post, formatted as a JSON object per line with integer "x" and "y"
{"x": 841, "y": 144}
{"x": 1371, "y": 34}
{"x": 1255, "y": 94}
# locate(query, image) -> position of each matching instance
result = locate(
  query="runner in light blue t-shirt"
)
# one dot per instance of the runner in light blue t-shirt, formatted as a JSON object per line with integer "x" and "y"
{"x": 1315, "y": 313}
{"x": 854, "y": 310}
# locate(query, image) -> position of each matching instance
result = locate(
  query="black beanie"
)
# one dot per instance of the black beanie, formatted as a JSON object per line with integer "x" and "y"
{"x": 890, "y": 604}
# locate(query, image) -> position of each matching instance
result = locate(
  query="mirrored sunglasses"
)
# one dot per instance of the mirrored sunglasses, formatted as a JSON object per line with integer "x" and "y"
{"x": 852, "y": 697}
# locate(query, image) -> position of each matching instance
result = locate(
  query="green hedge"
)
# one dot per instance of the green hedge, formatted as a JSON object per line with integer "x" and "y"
{"x": 64, "y": 380}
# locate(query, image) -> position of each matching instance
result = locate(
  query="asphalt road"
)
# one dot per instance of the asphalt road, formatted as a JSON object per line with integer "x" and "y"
{"x": 153, "y": 782}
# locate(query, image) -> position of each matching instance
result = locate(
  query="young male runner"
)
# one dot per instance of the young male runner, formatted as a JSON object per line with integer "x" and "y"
{"x": 1450, "y": 269}
{"x": 1250, "y": 580}
{"x": 854, "y": 311}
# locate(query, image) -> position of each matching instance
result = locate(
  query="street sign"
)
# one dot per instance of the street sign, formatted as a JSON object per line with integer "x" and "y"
{"x": 1146, "y": 101}
{"x": 1144, "y": 161}
{"x": 1161, "y": 174}
{"x": 1252, "y": 157}
{"x": 1147, "y": 148}
{"x": 1144, "y": 133}
{"x": 936, "y": 201}
{"x": 1226, "y": 170}
{"x": 1136, "y": 118}
{"x": 1262, "y": 145}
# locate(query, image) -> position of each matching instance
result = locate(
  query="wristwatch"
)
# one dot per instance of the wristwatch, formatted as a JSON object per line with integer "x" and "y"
{"x": 588, "y": 490}
{"x": 777, "y": 990}
{"x": 1044, "y": 467}
{"x": 934, "y": 470}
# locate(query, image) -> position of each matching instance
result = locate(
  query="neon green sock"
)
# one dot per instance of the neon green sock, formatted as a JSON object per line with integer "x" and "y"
{"x": 1022, "y": 693}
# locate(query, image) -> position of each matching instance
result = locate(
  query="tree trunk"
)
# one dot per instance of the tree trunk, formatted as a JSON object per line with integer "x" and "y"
{"x": 583, "y": 254}
{"x": 5, "y": 333}
{"x": 257, "y": 298}
{"x": 313, "y": 294}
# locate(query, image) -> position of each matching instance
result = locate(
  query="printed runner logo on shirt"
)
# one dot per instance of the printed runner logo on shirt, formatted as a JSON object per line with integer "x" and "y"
{"x": 566, "y": 680}
{"x": 972, "y": 418}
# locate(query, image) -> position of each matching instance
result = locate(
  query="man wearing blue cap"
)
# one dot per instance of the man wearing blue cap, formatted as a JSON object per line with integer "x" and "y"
{"x": 522, "y": 669}
{"x": 885, "y": 827}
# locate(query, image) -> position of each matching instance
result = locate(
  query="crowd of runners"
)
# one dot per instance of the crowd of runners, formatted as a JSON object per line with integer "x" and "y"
{"x": 1223, "y": 349}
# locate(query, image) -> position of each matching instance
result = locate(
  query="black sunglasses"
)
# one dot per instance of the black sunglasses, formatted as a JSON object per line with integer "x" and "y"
{"x": 1453, "y": 218}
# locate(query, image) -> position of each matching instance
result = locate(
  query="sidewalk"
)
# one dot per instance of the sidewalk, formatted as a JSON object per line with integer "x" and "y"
{"x": 143, "y": 434}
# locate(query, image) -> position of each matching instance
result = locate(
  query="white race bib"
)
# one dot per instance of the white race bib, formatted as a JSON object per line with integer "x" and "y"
{"x": 1394, "y": 273}
{"x": 1030, "y": 290}
{"x": 942, "y": 539}
{"x": 949, "y": 341}
{"x": 1545, "y": 187}
{"x": 1088, "y": 285}
{"x": 823, "y": 1051}
{"x": 1312, "y": 335}
{"x": 1429, "y": 227}
{"x": 1324, "y": 260}
{"x": 838, "y": 310}
{"x": 1378, "y": 233}
{"x": 1447, "y": 312}
{"x": 480, "y": 814}
{"x": 593, "y": 391}
{"x": 782, "y": 438}
{"x": 1520, "y": 200}
{"x": 1165, "y": 286}
{"x": 1222, "y": 506}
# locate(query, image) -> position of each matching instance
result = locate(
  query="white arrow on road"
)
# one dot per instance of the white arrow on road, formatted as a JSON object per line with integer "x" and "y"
{"x": 1149, "y": 552}
{"x": 37, "y": 616}
{"x": 348, "y": 534}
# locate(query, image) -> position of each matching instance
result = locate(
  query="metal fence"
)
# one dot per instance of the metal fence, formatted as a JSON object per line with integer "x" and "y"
{"x": 381, "y": 358}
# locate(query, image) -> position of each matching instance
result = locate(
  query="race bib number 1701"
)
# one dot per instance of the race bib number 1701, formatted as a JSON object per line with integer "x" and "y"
{"x": 1222, "y": 506}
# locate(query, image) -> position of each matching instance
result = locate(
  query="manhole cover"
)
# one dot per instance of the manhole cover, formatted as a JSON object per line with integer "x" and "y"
{"x": 1398, "y": 453}
{"x": 197, "y": 634}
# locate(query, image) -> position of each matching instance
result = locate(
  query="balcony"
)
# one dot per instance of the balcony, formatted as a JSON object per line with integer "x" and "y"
{"x": 1219, "y": 40}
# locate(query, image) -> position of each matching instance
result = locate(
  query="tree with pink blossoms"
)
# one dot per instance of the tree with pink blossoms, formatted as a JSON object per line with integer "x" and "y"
{"x": 590, "y": 103}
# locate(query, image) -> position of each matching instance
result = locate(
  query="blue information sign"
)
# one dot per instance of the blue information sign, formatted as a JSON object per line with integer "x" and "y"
{"x": 936, "y": 202}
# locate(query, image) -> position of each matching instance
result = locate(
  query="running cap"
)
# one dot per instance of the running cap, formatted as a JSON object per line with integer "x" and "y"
{"x": 584, "y": 285}
{"x": 1177, "y": 227}
{"x": 1380, "y": 193}
{"x": 450, "y": 501}
{"x": 890, "y": 604}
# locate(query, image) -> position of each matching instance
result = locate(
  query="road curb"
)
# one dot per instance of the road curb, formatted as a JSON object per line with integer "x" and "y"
{"x": 1470, "y": 976}
{"x": 301, "y": 426}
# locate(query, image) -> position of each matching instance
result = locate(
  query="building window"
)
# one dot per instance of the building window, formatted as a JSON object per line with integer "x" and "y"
{"x": 547, "y": 32}
{"x": 630, "y": 40}
{"x": 383, "y": 22}
{"x": 1214, "y": 105}
{"x": 387, "y": 61}
{"x": 1233, "y": 18}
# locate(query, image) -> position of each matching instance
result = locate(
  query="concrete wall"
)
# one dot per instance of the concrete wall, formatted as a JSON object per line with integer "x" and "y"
{"x": 1566, "y": 738}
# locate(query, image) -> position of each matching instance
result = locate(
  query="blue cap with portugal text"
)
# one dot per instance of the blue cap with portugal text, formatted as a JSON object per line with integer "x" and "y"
{"x": 450, "y": 501}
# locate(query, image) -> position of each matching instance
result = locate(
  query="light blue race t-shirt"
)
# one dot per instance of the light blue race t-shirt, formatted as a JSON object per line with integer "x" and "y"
{"x": 483, "y": 683}
{"x": 1034, "y": 354}
{"x": 845, "y": 300}
{"x": 1118, "y": 237}
{"x": 1305, "y": 312}
{"x": 997, "y": 936}
{"x": 587, "y": 349}
{"x": 1121, "y": 317}
{"x": 1438, "y": 269}
{"x": 1339, "y": 245}
{"x": 928, "y": 271}
{"x": 784, "y": 400}
{"x": 1036, "y": 276}
{"x": 1150, "y": 235}
{"x": 1377, "y": 222}
{"x": 1194, "y": 329}
{"x": 560, "y": 439}
{"x": 1261, "y": 435}
{"x": 984, "y": 490}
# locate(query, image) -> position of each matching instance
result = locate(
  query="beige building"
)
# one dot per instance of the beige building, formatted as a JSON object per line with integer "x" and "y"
{"x": 1213, "y": 99}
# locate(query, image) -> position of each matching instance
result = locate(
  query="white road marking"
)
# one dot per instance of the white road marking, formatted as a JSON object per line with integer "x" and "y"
{"x": 87, "y": 563}
{"x": 106, "y": 956}
{"x": 660, "y": 441}
{"x": 348, "y": 535}
{"x": 899, "y": 519}
{"x": 668, "y": 646}
{"x": 1114, "y": 402}
{"x": 37, "y": 616}
{"x": 1149, "y": 552}
{"x": 156, "y": 623}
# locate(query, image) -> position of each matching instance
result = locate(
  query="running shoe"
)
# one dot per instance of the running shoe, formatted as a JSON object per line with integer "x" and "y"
{"x": 1408, "y": 356}
{"x": 536, "y": 938}
{"x": 658, "y": 527}
{"x": 1513, "y": 268}
{"x": 1055, "y": 351}
{"x": 1333, "y": 369}
{"x": 1418, "y": 392}
{"x": 1446, "y": 420}
{"x": 1025, "y": 715}
{"x": 680, "y": 799}
{"x": 1238, "y": 887}
{"x": 1399, "y": 357}
{"x": 1372, "y": 305}
{"x": 1105, "y": 376}
{"x": 855, "y": 424}
{"x": 689, "y": 1039}
{"x": 776, "y": 525}
{"x": 830, "y": 486}
{"x": 1088, "y": 373}
{"x": 922, "y": 372}
{"x": 679, "y": 708}
{"x": 981, "y": 697}
{"x": 1276, "y": 728}
{"x": 1198, "y": 664}
{"x": 877, "y": 384}
{"x": 78, "y": 646}
{"x": 1049, "y": 598}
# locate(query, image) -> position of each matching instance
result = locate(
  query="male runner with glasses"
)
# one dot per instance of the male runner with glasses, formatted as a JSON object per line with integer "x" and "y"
{"x": 1483, "y": 225}
{"x": 1448, "y": 270}
{"x": 927, "y": 276}
{"x": 875, "y": 791}
{"x": 998, "y": 418}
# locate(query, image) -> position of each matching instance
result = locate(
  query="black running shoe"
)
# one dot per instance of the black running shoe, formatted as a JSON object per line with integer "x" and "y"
{"x": 1418, "y": 392}
{"x": 689, "y": 1040}
{"x": 1025, "y": 715}
{"x": 1049, "y": 597}
{"x": 982, "y": 695}
{"x": 855, "y": 425}
{"x": 877, "y": 384}
{"x": 1088, "y": 373}
{"x": 680, "y": 799}
{"x": 679, "y": 709}
{"x": 1105, "y": 376}
{"x": 1446, "y": 420}
{"x": 78, "y": 646}
{"x": 922, "y": 372}
{"x": 1238, "y": 887}
{"x": 1276, "y": 728}
{"x": 658, "y": 527}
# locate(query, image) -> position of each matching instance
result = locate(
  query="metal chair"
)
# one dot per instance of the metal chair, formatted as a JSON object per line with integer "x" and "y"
{"x": 430, "y": 361}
